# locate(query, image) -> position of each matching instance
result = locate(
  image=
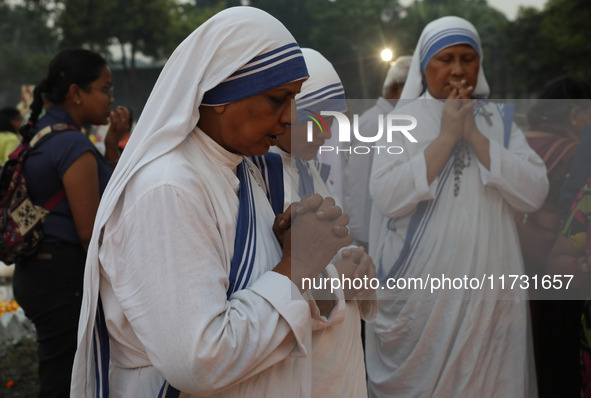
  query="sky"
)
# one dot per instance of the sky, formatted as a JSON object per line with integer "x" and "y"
{"x": 508, "y": 7}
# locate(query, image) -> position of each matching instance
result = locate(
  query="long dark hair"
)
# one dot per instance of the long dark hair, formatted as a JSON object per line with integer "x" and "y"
{"x": 70, "y": 66}
{"x": 7, "y": 115}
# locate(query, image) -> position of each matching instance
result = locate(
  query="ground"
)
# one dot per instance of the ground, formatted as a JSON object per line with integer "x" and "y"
{"x": 18, "y": 369}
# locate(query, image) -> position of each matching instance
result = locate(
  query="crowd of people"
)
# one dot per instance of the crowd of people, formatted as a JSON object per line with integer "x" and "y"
{"x": 212, "y": 257}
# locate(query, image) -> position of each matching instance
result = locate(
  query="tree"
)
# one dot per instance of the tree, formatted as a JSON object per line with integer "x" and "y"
{"x": 132, "y": 26}
{"x": 28, "y": 44}
{"x": 349, "y": 33}
{"x": 565, "y": 28}
{"x": 549, "y": 43}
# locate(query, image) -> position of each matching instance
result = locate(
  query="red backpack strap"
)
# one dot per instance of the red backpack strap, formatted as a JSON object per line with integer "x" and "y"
{"x": 55, "y": 199}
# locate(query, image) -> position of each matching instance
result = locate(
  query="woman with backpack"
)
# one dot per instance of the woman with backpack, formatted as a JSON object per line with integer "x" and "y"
{"x": 66, "y": 167}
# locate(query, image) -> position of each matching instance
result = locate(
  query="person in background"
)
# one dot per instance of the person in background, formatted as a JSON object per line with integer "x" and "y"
{"x": 357, "y": 167}
{"x": 48, "y": 284}
{"x": 10, "y": 122}
{"x": 338, "y": 367}
{"x": 126, "y": 136}
{"x": 556, "y": 124}
{"x": 443, "y": 208}
{"x": 579, "y": 172}
{"x": 187, "y": 279}
{"x": 571, "y": 255}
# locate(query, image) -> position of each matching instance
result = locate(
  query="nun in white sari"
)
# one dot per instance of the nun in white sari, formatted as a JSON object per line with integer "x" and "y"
{"x": 194, "y": 300}
{"x": 444, "y": 208}
{"x": 338, "y": 367}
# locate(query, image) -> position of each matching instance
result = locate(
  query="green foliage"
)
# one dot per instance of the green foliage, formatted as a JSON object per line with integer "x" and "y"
{"x": 152, "y": 28}
{"x": 350, "y": 33}
{"x": 519, "y": 57}
{"x": 491, "y": 25}
{"x": 186, "y": 18}
{"x": 27, "y": 46}
{"x": 141, "y": 24}
{"x": 549, "y": 43}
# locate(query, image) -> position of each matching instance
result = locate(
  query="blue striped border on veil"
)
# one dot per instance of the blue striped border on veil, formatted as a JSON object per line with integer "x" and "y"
{"x": 264, "y": 72}
{"x": 446, "y": 38}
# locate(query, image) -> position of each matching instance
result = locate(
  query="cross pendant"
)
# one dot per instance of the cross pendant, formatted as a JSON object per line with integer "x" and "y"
{"x": 486, "y": 115}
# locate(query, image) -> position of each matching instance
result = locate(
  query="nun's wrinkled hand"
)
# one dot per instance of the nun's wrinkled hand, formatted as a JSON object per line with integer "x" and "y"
{"x": 464, "y": 89}
{"x": 281, "y": 225}
{"x": 282, "y": 221}
{"x": 313, "y": 244}
{"x": 358, "y": 266}
{"x": 326, "y": 209}
{"x": 452, "y": 119}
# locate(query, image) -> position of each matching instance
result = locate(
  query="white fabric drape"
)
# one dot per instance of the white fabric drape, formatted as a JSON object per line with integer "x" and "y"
{"x": 212, "y": 53}
{"x": 457, "y": 342}
{"x": 442, "y": 29}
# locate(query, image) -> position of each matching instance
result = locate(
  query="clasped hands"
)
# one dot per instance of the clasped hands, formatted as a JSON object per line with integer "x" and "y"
{"x": 457, "y": 120}
{"x": 311, "y": 232}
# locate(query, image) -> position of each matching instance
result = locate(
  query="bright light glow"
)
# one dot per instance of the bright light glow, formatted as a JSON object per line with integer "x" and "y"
{"x": 387, "y": 55}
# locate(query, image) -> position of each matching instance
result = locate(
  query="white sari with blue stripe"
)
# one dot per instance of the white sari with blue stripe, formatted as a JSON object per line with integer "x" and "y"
{"x": 160, "y": 258}
{"x": 458, "y": 342}
{"x": 252, "y": 340}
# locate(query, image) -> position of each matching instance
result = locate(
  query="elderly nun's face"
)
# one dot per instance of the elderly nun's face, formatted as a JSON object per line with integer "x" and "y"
{"x": 250, "y": 126}
{"x": 450, "y": 66}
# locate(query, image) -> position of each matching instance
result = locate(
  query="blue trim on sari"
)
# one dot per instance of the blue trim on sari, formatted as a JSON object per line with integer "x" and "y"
{"x": 168, "y": 391}
{"x": 240, "y": 273}
{"x": 507, "y": 111}
{"x": 271, "y": 167}
{"x": 101, "y": 353}
{"x": 416, "y": 229}
{"x": 323, "y": 169}
{"x": 245, "y": 241}
{"x": 306, "y": 186}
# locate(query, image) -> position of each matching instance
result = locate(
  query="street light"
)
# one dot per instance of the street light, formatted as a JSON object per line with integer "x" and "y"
{"x": 387, "y": 55}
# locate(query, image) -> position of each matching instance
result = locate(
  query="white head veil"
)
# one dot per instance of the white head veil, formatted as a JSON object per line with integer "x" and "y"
{"x": 323, "y": 91}
{"x": 437, "y": 35}
{"x": 238, "y": 53}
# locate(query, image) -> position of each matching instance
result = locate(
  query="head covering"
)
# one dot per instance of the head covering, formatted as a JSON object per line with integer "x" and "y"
{"x": 323, "y": 91}
{"x": 397, "y": 72}
{"x": 437, "y": 35}
{"x": 239, "y": 39}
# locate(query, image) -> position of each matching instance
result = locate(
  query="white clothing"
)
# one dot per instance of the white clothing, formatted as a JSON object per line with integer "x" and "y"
{"x": 176, "y": 243}
{"x": 323, "y": 91}
{"x": 457, "y": 343}
{"x": 338, "y": 367}
{"x": 175, "y": 321}
{"x": 331, "y": 158}
{"x": 356, "y": 173}
{"x": 437, "y": 30}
